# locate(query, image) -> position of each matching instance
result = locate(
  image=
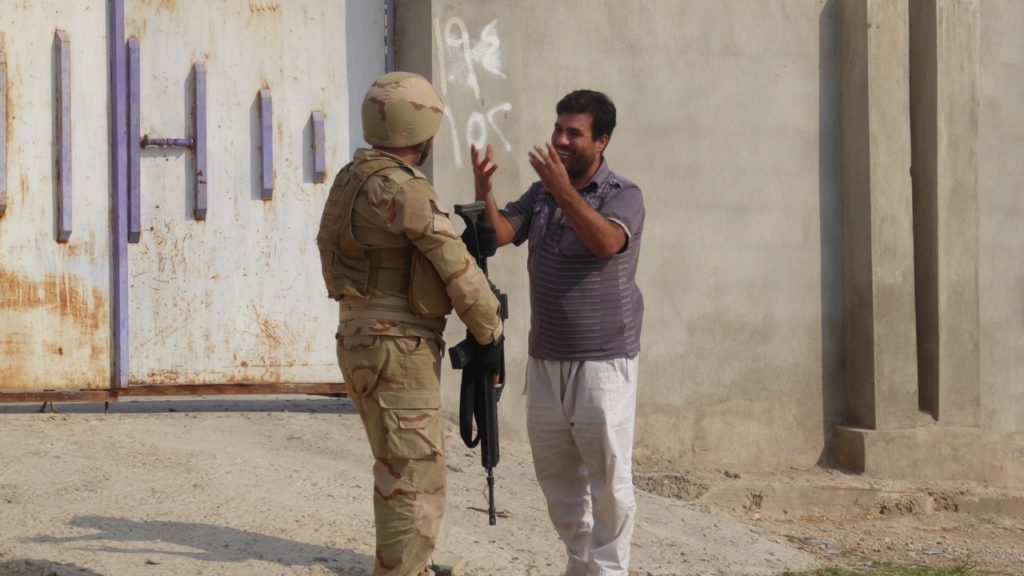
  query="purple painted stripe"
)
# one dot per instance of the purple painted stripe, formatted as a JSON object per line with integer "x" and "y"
{"x": 119, "y": 202}
{"x": 134, "y": 144}
{"x": 3, "y": 133}
{"x": 267, "y": 143}
{"x": 62, "y": 56}
{"x": 319, "y": 148}
{"x": 199, "y": 133}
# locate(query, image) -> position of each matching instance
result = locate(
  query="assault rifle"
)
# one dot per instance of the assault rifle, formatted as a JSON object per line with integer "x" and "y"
{"x": 479, "y": 396}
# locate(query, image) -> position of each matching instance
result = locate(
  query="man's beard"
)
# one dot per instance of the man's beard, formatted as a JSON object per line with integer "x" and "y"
{"x": 579, "y": 165}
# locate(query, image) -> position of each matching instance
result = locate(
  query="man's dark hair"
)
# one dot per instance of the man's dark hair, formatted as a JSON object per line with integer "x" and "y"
{"x": 597, "y": 104}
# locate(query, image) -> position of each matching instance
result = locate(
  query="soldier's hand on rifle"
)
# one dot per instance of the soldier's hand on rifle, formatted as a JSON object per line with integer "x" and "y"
{"x": 486, "y": 359}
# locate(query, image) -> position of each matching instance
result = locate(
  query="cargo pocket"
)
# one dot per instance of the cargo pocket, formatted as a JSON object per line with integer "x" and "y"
{"x": 353, "y": 352}
{"x": 412, "y": 422}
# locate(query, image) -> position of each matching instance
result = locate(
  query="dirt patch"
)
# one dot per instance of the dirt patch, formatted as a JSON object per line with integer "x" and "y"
{"x": 670, "y": 485}
{"x": 899, "y": 505}
{"x": 282, "y": 486}
{"x": 254, "y": 487}
{"x": 851, "y": 521}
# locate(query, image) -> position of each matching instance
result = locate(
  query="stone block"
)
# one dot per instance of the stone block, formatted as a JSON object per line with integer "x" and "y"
{"x": 925, "y": 453}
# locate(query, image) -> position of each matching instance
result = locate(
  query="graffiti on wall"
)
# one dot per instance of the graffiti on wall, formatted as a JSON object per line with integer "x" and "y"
{"x": 462, "y": 60}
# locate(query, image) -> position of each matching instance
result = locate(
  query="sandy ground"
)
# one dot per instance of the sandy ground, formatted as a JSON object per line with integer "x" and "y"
{"x": 261, "y": 486}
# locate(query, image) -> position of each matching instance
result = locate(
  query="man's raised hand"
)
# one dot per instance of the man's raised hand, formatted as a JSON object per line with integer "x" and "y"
{"x": 483, "y": 169}
{"x": 548, "y": 165}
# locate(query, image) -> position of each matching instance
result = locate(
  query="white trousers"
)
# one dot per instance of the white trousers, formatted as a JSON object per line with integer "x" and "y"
{"x": 580, "y": 418}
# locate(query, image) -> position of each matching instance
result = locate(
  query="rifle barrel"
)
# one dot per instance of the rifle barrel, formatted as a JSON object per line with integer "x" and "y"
{"x": 491, "y": 512}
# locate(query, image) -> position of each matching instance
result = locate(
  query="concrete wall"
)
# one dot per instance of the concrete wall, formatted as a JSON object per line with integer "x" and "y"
{"x": 796, "y": 280}
{"x": 728, "y": 122}
{"x": 773, "y": 142}
{"x": 1001, "y": 238}
{"x": 880, "y": 363}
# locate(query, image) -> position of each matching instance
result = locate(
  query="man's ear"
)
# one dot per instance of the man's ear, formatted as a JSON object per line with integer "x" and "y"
{"x": 602, "y": 143}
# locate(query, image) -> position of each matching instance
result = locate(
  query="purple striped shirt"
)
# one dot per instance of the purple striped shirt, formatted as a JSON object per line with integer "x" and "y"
{"x": 583, "y": 307}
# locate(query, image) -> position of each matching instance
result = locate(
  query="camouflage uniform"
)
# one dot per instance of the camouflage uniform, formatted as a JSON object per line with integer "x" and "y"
{"x": 391, "y": 256}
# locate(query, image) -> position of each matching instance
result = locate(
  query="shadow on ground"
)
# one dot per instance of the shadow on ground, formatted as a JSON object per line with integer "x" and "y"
{"x": 200, "y": 542}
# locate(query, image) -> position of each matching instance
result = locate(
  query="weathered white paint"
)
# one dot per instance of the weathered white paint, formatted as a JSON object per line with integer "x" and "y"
{"x": 235, "y": 298}
{"x": 239, "y": 296}
{"x": 54, "y": 298}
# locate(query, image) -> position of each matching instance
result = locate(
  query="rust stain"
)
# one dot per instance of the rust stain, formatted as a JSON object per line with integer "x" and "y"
{"x": 165, "y": 5}
{"x": 245, "y": 374}
{"x": 71, "y": 248}
{"x": 269, "y": 331}
{"x": 164, "y": 376}
{"x": 258, "y": 6}
{"x": 52, "y": 333}
{"x": 164, "y": 333}
{"x": 66, "y": 295}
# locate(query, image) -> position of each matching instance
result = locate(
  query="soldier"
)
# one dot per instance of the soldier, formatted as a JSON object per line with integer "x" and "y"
{"x": 391, "y": 257}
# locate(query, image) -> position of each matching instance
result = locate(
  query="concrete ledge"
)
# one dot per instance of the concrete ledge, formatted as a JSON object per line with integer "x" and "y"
{"x": 989, "y": 506}
{"x": 927, "y": 453}
{"x": 787, "y": 500}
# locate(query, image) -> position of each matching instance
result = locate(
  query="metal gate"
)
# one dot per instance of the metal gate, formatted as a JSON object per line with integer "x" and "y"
{"x": 162, "y": 171}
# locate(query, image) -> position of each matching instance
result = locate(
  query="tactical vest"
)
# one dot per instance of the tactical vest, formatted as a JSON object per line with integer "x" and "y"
{"x": 351, "y": 269}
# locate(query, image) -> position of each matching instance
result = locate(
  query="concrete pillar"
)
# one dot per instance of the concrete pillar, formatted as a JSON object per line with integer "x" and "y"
{"x": 414, "y": 47}
{"x": 878, "y": 254}
{"x": 944, "y": 94}
{"x": 910, "y": 248}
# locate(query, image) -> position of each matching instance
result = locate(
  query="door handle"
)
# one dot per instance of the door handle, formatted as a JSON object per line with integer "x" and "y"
{"x": 136, "y": 141}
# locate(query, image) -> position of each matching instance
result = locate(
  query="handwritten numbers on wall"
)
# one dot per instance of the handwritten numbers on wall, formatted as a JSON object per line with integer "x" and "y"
{"x": 478, "y": 127}
{"x": 460, "y": 57}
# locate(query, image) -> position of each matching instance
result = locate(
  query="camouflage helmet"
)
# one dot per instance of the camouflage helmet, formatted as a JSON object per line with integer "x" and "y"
{"x": 401, "y": 109}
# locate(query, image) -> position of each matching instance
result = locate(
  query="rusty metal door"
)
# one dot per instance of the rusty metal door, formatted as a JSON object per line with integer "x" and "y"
{"x": 54, "y": 189}
{"x": 163, "y": 166}
{"x": 243, "y": 120}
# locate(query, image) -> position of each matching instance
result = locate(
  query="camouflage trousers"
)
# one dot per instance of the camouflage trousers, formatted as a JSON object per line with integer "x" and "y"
{"x": 394, "y": 381}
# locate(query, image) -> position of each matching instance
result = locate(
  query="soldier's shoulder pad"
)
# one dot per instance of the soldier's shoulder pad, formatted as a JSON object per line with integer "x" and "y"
{"x": 418, "y": 186}
{"x": 392, "y": 178}
{"x": 413, "y": 172}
